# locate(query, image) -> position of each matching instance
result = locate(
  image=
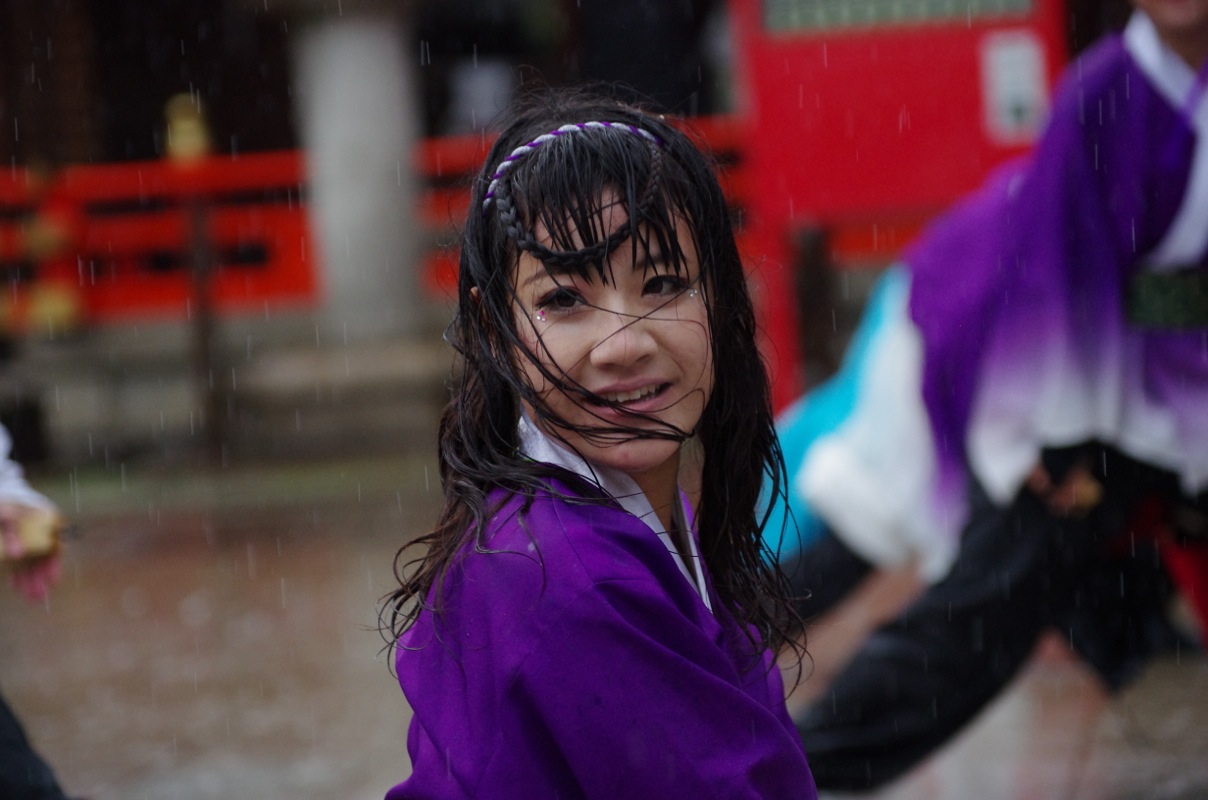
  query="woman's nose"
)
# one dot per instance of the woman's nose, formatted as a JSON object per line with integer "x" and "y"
{"x": 625, "y": 339}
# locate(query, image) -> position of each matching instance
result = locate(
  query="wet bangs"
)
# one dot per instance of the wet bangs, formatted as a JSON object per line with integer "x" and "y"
{"x": 572, "y": 187}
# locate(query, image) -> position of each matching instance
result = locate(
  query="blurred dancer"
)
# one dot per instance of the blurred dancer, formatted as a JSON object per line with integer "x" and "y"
{"x": 1062, "y": 322}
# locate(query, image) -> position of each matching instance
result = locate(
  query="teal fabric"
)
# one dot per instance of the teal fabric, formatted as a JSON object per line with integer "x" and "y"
{"x": 793, "y": 524}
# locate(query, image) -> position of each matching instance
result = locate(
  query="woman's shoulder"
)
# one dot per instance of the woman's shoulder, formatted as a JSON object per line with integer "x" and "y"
{"x": 542, "y": 553}
{"x": 587, "y": 536}
{"x": 1101, "y": 69}
{"x": 1104, "y": 106}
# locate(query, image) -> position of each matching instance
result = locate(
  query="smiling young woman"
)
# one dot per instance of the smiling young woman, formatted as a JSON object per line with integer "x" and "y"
{"x": 573, "y": 627}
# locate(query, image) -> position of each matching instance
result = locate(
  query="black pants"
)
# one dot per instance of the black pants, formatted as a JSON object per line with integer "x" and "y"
{"x": 23, "y": 773}
{"x": 918, "y": 679}
{"x": 822, "y": 574}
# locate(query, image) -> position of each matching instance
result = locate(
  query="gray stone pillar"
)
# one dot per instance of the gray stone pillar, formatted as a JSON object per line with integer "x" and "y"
{"x": 358, "y": 122}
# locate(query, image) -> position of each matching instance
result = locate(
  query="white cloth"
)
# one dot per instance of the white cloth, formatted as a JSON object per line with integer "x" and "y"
{"x": 1187, "y": 239}
{"x": 538, "y": 446}
{"x": 871, "y": 478}
{"x": 1076, "y": 399}
{"x": 13, "y": 487}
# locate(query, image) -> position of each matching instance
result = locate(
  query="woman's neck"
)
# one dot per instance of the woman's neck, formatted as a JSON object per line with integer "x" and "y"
{"x": 1192, "y": 49}
{"x": 662, "y": 491}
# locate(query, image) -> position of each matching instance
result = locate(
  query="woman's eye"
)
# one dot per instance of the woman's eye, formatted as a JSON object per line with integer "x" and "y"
{"x": 666, "y": 285}
{"x": 559, "y": 300}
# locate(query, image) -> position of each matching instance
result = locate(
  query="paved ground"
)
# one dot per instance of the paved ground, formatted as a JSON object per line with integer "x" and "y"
{"x": 214, "y": 638}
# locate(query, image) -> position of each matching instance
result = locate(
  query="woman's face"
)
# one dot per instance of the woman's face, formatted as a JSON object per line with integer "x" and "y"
{"x": 640, "y": 337}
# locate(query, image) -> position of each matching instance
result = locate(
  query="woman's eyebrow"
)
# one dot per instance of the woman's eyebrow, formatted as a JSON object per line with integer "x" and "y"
{"x": 547, "y": 271}
{"x": 535, "y": 277}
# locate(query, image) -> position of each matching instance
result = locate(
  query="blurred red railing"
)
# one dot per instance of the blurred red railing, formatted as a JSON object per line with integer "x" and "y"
{"x": 129, "y": 237}
{"x": 130, "y": 244}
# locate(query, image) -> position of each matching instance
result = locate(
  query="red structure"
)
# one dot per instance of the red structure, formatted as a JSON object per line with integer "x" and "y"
{"x": 867, "y": 117}
{"x": 858, "y": 121}
{"x": 132, "y": 249}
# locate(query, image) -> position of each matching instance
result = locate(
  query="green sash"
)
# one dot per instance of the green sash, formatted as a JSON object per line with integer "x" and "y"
{"x": 1175, "y": 300}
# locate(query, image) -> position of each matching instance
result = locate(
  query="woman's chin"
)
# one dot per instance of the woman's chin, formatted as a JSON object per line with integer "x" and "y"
{"x": 635, "y": 457}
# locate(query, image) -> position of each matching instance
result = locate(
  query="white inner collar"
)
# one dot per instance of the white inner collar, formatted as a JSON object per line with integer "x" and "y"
{"x": 1169, "y": 73}
{"x": 537, "y": 445}
{"x": 1187, "y": 238}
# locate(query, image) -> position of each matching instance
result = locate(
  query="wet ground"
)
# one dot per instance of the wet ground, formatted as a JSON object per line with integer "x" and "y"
{"x": 214, "y": 637}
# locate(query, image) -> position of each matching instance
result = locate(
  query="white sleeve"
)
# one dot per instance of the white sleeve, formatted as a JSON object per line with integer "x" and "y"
{"x": 13, "y": 486}
{"x": 871, "y": 479}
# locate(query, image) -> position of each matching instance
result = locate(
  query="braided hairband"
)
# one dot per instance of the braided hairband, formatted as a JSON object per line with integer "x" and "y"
{"x": 520, "y": 152}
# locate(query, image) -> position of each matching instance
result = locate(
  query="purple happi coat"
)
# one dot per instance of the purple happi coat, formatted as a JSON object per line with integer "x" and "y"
{"x": 1019, "y": 294}
{"x": 579, "y": 659}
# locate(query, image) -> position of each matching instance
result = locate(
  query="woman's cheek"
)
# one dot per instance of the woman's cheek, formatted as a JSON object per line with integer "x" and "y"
{"x": 531, "y": 358}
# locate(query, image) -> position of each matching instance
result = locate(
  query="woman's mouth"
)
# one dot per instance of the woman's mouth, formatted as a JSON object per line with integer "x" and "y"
{"x": 633, "y": 396}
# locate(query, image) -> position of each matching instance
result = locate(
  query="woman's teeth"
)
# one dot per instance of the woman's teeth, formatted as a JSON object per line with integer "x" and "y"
{"x": 629, "y": 397}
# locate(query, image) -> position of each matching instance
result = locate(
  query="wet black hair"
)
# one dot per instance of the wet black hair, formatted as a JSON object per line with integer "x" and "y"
{"x": 561, "y": 182}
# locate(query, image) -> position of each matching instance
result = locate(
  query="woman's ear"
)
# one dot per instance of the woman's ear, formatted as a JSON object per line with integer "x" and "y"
{"x": 477, "y": 307}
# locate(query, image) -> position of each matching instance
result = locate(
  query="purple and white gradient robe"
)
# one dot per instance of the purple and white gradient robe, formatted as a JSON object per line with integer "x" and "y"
{"x": 1027, "y": 345}
{"x": 1011, "y": 318}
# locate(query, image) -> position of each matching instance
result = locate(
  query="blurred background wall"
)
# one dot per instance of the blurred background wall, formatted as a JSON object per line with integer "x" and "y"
{"x": 340, "y": 134}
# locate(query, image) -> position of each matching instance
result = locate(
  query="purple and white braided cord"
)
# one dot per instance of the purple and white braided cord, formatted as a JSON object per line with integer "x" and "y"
{"x": 520, "y": 152}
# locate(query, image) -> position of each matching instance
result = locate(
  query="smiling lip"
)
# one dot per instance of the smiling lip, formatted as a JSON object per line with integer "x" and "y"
{"x": 638, "y": 399}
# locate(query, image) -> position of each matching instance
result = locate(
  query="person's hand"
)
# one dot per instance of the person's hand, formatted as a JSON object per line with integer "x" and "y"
{"x": 33, "y": 574}
{"x": 1076, "y": 494}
